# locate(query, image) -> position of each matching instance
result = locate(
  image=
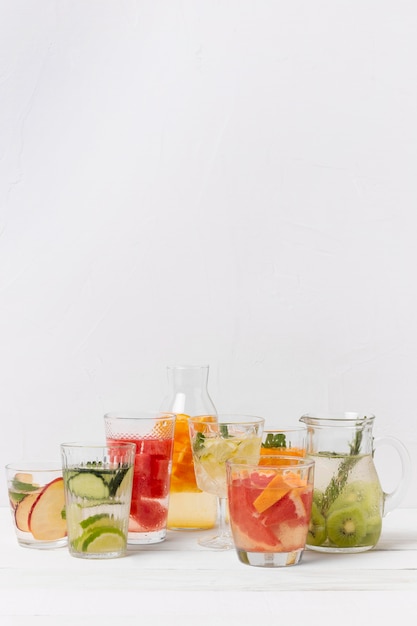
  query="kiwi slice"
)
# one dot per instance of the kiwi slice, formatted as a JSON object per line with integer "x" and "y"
{"x": 365, "y": 494}
{"x": 346, "y": 527}
{"x": 318, "y": 497}
{"x": 373, "y": 530}
{"x": 317, "y": 527}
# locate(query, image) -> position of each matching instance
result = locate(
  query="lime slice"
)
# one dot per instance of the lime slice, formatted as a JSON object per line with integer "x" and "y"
{"x": 95, "y": 520}
{"x": 104, "y": 539}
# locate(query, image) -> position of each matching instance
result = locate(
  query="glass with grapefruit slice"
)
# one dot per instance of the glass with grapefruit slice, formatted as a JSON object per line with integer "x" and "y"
{"x": 270, "y": 508}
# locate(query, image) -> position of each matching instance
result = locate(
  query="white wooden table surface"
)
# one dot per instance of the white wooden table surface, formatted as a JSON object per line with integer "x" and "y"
{"x": 179, "y": 582}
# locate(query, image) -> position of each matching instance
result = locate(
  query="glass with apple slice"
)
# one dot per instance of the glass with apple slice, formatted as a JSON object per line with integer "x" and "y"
{"x": 37, "y": 504}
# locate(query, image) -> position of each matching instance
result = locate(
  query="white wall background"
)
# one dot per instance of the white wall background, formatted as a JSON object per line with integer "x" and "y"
{"x": 229, "y": 182}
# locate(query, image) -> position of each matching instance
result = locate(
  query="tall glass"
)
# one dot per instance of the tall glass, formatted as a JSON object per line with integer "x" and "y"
{"x": 98, "y": 488}
{"x": 153, "y": 434}
{"x": 190, "y": 508}
{"x": 214, "y": 441}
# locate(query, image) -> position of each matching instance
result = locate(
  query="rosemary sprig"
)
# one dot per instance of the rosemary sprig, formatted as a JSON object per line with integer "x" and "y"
{"x": 338, "y": 482}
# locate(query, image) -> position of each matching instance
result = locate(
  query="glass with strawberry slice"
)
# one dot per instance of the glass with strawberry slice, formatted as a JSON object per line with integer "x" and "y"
{"x": 270, "y": 508}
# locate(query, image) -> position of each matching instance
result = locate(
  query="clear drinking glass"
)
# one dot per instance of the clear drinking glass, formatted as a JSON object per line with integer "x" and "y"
{"x": 98, "y": 488}
{"x": 153, "y": 435}
{"x": 285, "y": 441}
{"x": 37, "y": 503}
{"x": 214, "y": 441}
{"x": 270, "y": 507}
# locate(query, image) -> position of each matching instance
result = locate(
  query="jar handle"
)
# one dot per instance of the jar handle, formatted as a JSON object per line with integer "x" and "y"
{"x": 393, "y": 499}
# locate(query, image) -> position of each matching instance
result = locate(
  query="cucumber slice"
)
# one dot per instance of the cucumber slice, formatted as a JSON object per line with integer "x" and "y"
{"x": 118, "y": 480}
{"x": 88, "y": 485}
{"x": 124, "y": 483}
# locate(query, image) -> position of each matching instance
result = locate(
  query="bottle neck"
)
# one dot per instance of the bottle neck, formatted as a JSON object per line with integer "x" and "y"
{"x": 188, "y": 378}
{"x": 188, "y": 392}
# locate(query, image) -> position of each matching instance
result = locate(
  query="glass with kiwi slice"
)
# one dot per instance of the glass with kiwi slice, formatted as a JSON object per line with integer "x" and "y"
{"x": 349, "y": 502}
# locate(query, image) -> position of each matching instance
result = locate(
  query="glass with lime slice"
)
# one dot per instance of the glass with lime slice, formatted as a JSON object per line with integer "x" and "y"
{"x": 214, "y": 440}
{"x": 98, "y": 489}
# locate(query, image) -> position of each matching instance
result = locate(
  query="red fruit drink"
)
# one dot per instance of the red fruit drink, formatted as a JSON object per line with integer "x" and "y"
{"x": 150, "y": 491}
{"x": 153, "y": 435}
{"x": 270, "y": 509}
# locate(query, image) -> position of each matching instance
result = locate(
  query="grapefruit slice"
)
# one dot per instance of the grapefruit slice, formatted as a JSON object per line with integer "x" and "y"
{"x": 45, "y": 518}
{"x": 255, "y": 538}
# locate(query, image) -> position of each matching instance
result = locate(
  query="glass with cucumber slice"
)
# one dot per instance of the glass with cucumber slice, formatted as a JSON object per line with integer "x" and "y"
{"x": 98, "y": 488}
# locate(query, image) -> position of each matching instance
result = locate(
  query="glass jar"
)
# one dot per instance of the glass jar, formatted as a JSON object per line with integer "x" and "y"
{"x": 189, "y": 507}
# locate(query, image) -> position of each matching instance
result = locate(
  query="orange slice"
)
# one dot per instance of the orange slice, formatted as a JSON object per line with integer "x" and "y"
{"x": 276, "y": 489}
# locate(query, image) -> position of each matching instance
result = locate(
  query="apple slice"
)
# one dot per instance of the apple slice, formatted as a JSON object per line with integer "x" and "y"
{"x": 45, "y": 518}
{"x": 22, "y": 512}
{"x": 24, "y": 477}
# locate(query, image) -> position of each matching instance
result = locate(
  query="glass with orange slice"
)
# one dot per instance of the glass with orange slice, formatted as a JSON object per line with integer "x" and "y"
{"x": 287, "y": 442}
{"x": 189, "y": 507}
{"x": 270, "y": 508}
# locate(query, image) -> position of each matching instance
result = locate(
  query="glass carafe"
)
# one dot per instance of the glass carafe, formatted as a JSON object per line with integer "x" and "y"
{"x": 189, "y": 507}
{"x": 349, "y": 502}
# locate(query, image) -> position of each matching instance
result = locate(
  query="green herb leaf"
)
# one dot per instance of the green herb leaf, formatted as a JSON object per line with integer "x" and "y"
{"x": 198, "y": 443}
{"x": 338, "y": 482}
{"x": 116, "y": 480}
{"x": 224, "y": 431}
{"x": 275, "y": 441}
{"x": 19, "y": 486}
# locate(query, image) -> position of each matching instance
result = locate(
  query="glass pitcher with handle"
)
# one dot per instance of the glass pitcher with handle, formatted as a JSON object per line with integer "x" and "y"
{"x": 349, "y": 502}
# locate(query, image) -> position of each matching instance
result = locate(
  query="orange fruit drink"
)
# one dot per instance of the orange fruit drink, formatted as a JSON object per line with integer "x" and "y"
{"x": 270, "y": 509}
{"x": 189, "y": 507}
{"x": 290, "y": 442}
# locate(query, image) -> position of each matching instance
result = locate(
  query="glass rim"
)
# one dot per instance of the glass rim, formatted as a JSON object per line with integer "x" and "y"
{"x": 349, "y": 418}
{"x": 240, "y": 419}
{"x": 140, "y": 415}
{"x": 34, "y": 465}
{"x": 294, "y": 429}
{"x": 295, "y": 461}
{"x": 98, "y": 446}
